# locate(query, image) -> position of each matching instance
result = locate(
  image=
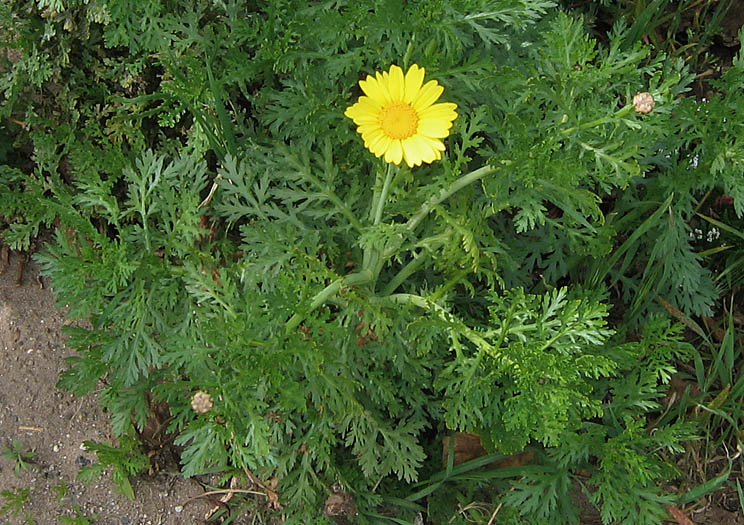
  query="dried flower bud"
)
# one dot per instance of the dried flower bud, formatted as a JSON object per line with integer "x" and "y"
{"x": 14, "y": 55}
{"x": 643, "y": 103}
{"x": 201, "y": 402}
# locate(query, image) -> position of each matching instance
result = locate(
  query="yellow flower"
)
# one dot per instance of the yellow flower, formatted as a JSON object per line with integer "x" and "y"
{"x": 398, "y": 117}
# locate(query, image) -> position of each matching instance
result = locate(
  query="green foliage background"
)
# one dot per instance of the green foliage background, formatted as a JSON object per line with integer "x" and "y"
{"x": 214, "y": 220}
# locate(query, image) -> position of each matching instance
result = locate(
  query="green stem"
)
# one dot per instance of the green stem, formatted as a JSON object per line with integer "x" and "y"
{"x": 415, "y": 300}
{"x": 377, "y": 190}
{"x": 327, "y": 293}
{"x": 427, "y": 245}
{"x": 372, "y": 259}
{"x": 481, "y": 352}
{"x": 456, "y": 186}
{"x": 625, "y": 110}
{"x": 382, "y": 197}
{"x": 449, "y": 284}
{"x": 424, "y": 303}
{"x": 405, "y": 272}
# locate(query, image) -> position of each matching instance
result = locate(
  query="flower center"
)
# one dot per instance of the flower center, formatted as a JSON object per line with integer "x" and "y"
{"x": 399, "y": 120}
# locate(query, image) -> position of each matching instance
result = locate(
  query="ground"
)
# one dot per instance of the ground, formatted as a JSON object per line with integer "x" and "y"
{"x": 54, "y": 424}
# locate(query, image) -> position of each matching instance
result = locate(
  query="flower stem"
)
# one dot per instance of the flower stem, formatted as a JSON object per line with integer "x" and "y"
{"x": 625, "y": 110}
{"x": 382, "y": 197}
{"x": 426, "y": 304}
{"x": 450, "y": 284}
{"x": 427, "y": 245}
{"x": 377, "y": 190}
{"x": 372, "y": 260}
{"x": 448, "y": 192}
{"x": 327, "y": 293}
{"x": 405, "y": 272}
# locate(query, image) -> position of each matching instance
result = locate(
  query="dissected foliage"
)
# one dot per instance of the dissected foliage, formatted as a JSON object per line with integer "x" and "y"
{"x": 224, "y": 230}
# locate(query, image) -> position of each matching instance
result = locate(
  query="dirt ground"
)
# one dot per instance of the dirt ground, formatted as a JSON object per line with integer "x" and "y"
{"x": 54, "y": 424}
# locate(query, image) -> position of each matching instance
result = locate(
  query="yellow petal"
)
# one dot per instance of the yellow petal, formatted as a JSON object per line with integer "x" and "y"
{"x": 434, "y": 127}
{"x": 366, "y": 127}
{"x": 411, "y": 152}
{"x": 427, "y": 95}
{"x": 394, "y": 152}
{"x": 383, "y": 79}
{"x": 428, "y": 152}
{"x": 374, "y": 89}
{"x": 372, "y": 137}
{"x": 414, "y": 79}
{"x": 380, "y": 145}
{"x": 365, "y": 119}
{"x": 369, "y": 104}
{"x": 364, "y": 108}
{"x": 443, "y": 110}
{"x": 396, "y": 83}
{"x": 437, "y": 144}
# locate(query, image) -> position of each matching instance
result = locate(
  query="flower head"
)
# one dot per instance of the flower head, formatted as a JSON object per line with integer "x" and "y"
{"x": 201, "y": 402}
{"x": 397, "y": 116}
{"x": 643, "y": 103}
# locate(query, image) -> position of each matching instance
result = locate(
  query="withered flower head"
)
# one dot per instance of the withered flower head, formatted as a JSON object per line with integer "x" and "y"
{"x": 201, "y": 402}
{"x": 643, "y": 103}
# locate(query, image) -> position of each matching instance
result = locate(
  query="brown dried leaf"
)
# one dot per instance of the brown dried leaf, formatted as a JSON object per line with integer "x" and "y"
{"x": 515, "y": 460}
{"x": 679, "y": 516}
{"x": 467, "y": 446}
{"x": 339, "y": 503}
{"x": 677, "y": 387}
{"x": 683, "y": 318}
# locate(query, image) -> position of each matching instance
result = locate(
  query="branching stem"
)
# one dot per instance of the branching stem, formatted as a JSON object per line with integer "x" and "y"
{"x": 622, "y": 112}
{"x": 405, "y": 272}
{"x": 443, "y": 195}
{"x": 353, "y": 279}
{"x": 426, "y": 304}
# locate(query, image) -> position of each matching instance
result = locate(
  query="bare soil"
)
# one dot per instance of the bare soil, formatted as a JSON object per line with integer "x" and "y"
{"x": 54, "y": 424}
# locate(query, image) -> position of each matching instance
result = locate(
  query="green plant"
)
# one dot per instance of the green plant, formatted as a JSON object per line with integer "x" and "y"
{"x": 679, "y": 29}
{"x": 15, "y": 453}
{"x": 79, "y": 518}
{"x": 60, "y": 490}
{"x": 126, "y": 459}
{"x": 13, "y": 501}
{"x": 228, "y": 237}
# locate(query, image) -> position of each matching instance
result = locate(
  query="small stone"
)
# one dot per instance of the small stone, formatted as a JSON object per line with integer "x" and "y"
{"x": 178, "y": 508}
{"x": 55, "y": 448}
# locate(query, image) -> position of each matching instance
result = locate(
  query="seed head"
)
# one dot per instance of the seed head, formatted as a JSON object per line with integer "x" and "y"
{"x": 643, "y": 102}
{"x": 201, "y": 402}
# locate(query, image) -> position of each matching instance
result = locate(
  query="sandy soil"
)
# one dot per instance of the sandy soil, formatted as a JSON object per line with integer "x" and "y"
{"x": 53, "y": 425}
